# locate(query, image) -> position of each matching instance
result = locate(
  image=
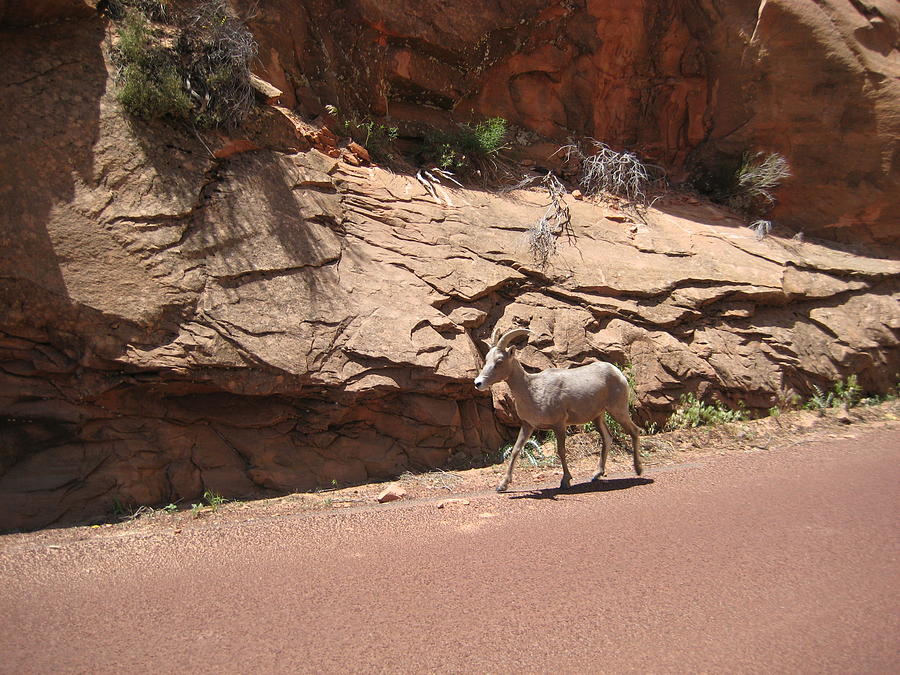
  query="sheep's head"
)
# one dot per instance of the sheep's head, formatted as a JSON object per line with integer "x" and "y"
{"x": 499, "y": 359}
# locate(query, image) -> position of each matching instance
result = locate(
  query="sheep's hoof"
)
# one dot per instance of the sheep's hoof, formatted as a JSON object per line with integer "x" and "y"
{"x": 597, "y": 476}
{"x": 501, "y": 488}
{"x": 566, "y": 482}
{"x": 639, "y": 470}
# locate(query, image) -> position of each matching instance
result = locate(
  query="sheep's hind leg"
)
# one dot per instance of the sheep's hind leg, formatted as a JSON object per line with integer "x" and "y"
{"x": 623, "y": 418}
{"x": 600, "y": 423}
{"x": 524, "y": 435}
{"x": 561, "y": 451}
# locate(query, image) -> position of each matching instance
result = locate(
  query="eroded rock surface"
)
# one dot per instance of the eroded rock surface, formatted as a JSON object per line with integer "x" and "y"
{"x": 688, "y": 85}
{"x": 172, "y": 322}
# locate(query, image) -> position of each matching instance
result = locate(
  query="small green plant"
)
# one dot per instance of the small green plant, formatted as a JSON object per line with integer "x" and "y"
{"x": 692, "y": 412}
{"x": 876, "y": 399}
{"x": 170, "y": 508}
{"x": 376, "y": 137}
{"x": 214, "y": 499}
{"x": 119, "y": 510}
{"x": 467, "y": 147}
{"x": 844, "y": 393}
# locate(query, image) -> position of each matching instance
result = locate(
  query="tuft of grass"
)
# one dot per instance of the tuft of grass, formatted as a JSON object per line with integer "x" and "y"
{"x": 756, "y": 179}
{"x": 692, "y": 412}
{"x": 761, "y": 228}
{"x": 467, "y": 148}
{"x": 214, "y": 499}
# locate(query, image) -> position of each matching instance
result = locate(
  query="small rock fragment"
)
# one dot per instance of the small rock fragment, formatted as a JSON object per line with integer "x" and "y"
{"x": 577, "y": 194}
{"x": 391, "y": 493}
{"x": 359, "y": 151}
{"x": 452, "y": 502}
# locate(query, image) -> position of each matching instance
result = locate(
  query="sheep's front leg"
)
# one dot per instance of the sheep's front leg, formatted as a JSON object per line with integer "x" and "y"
{"x": 561, "y": 451}
{"x": 524, "y": 435}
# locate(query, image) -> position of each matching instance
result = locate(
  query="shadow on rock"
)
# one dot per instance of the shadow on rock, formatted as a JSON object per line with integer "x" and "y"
{"x": 606, "y": 485}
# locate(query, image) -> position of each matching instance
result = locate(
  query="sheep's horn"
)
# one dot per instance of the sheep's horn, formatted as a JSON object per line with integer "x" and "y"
{"x": 511, "y": 335}
{"x": 495, "y": 336}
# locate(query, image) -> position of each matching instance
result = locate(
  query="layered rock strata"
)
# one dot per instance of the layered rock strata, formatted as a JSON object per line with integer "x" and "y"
{"x": 173, "y": 322}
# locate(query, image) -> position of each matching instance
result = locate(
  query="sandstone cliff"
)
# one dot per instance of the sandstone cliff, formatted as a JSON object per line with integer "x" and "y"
{"x": 277, "y": 320}
{"x": 691, "y": 85}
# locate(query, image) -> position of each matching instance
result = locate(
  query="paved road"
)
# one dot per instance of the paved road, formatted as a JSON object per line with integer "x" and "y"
{"x": 779, "y": 561}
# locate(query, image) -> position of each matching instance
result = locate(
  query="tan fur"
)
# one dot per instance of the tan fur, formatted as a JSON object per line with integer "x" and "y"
{"x": 556, "y": 398}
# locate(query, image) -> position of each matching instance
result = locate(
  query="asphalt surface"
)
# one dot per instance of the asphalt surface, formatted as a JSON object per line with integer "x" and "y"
{"x": 778, "y": 561}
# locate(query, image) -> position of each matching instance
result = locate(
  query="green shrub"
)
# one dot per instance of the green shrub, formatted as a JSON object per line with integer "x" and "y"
{"x": 150, "y": 81}
{"x": 199, "y": 74}
{"x": 466, "y": 147}
{"x": 846, "y": 394}
{"x": 692, "y": 412}
{"x": 214, "y": 499}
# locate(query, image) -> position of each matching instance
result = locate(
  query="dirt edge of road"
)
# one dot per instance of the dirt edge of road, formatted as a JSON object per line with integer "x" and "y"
{"x": 456, "y": 489}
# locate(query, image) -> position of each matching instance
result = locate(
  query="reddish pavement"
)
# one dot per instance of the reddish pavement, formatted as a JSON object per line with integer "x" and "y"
{"x": 781, "y": 561}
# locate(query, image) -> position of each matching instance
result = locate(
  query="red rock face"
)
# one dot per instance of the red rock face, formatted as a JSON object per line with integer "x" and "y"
{"x": 174, "y": 320}
{"x": 681, "y": 83}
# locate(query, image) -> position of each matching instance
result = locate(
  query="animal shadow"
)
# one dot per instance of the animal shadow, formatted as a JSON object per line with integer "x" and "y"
{"x": 602, "y": 485}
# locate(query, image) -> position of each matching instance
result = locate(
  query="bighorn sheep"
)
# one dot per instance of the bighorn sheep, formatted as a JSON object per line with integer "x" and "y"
{"x": 558, "y": 397}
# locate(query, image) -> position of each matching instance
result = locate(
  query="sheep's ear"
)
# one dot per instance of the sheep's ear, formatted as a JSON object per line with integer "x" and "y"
{"x": 511, "y": 351}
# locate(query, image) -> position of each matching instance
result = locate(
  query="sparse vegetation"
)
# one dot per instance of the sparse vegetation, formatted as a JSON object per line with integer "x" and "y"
{"x": 376, "y": 137}
{"x": 844, "y": 393}
{"x": 214, "y": 500}
{"x": 531, "y": 453}
{"x": 543, "y": 236}
{"x": 761, "y": 228}
{"x": 755, "y": 181}
{"x": 468, "y": 148}
{"x": 191, "y": 68}
{"x": 691, "y": 412}
{"x": 604, "y": 170}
